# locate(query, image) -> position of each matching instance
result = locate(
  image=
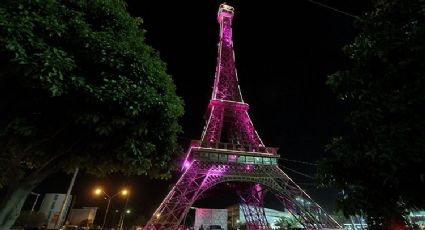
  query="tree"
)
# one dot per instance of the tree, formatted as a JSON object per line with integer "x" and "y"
{"x": 379, "y": 163}
{"x": 285, "y": 222}
{"x": 79, "y": 87}
{"x": 30, "y": 219}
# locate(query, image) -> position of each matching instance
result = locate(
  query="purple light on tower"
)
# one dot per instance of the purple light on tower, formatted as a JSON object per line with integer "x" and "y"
{"x": 226, "y": 83}
{"x": 186, "y": 164}
{"x": 248, "y": 167}
{"x": 226, "y": 101}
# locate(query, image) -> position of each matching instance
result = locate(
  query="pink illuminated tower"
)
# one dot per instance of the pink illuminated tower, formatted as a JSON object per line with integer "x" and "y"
{"x": 231, "y": 151}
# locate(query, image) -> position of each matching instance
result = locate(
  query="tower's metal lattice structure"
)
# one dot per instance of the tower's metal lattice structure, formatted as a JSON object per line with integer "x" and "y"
{"x": 230, "y": 150}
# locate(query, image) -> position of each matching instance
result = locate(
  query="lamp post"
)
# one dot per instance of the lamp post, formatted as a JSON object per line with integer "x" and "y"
{"x": 121, "y": 223}
{"x": 124, "y": 211}
{"x": 99, "y": 191}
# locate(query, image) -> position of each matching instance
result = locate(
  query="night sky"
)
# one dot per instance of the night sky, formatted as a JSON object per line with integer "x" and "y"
{"x": 284, "y": 52}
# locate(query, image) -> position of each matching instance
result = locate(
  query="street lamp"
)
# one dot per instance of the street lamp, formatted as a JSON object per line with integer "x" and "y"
{"x": 99, "y": 191}
{"x": 121, "y": 222}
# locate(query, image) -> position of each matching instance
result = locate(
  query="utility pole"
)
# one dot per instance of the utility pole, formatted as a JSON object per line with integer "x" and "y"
{"x": 106, "y": 212}
{"x": 60, "y": 219}
{"x": 124, "y": 211}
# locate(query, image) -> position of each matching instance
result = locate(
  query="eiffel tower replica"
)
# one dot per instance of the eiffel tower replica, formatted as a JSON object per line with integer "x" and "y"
{"x": 231, "y": 151}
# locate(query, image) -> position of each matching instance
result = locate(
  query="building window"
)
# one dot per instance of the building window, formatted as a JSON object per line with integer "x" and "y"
{"x": 241, "y": 159}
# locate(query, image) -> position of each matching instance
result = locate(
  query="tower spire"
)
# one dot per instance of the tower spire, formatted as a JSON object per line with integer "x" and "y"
{"x": 226, "y": 81}
{"x": 227, "y": 114}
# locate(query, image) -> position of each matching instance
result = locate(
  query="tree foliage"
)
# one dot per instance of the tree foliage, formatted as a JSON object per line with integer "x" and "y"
{"x": 79, "y": 87}
{"x": 285, "y": 222}
{"x": 379, "y": 164}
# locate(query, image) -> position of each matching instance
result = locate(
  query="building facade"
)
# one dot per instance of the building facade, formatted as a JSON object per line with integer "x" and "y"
{"x": 51, "y": 208}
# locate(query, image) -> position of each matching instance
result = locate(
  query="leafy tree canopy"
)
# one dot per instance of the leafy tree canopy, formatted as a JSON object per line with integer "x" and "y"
{"x": 79, "y": 86}
{"x": 380, "y": 163}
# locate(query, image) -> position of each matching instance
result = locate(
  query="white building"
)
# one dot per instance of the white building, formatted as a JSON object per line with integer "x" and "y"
{"x": 78, "y": 216}
{"x": 51, "y": 207}
{"x": 233, "y": 217}
{"x": 207, "y": 217}
{"x": 237, "y": 218}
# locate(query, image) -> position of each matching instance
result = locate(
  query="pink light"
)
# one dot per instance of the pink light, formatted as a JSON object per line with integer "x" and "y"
{"x": 248, "y": 167}
{"x": 186, "y": 164}
{"x": 232, "y": 157}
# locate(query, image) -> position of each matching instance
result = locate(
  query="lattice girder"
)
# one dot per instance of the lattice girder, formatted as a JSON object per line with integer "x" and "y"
{"x": 234, "y": 117}
{"x": 212, "y": 132}
{"x": 252, "y": 208}
{"x": 203, "y": 175}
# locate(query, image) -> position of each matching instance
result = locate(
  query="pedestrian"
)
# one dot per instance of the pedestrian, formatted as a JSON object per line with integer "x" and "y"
{"x": 202, "y": 227}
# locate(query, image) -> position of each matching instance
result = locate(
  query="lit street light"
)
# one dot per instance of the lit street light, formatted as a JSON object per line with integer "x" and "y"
{"x": 99, "y": 191}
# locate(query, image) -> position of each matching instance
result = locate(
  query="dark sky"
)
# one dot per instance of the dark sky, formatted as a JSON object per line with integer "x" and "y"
{"x": 284, "y": 52}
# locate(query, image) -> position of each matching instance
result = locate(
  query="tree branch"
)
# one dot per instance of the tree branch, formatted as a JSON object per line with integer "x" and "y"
{"x": 47, "y": 138}
{"x": 48, "y": 164}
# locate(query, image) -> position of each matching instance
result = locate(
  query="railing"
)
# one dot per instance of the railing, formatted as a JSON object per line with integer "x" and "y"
{"x": 235, "y": 147}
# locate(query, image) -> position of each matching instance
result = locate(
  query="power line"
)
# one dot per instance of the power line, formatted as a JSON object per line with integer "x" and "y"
{"x": 300, "y": 162}
{"x": 299, "y": 173}
{"x": 334, "y": 9}
{"x": 307, "y": 184}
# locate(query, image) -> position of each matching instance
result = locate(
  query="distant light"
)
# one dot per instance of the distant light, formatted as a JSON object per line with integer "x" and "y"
{"x": 158, "y": 215}
{"x": 124, "y": 192}
{"x": 237, "y": 221}
{"x": 128, "y": 211}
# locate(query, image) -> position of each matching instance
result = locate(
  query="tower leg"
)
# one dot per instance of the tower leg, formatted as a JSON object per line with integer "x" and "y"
{"x": 202, "y": 176}
{"x": 299, "y": 203}
{"x": 252, "y": 208}
{"x": 178, "y": 201}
